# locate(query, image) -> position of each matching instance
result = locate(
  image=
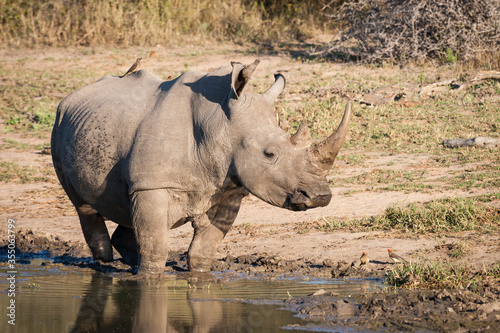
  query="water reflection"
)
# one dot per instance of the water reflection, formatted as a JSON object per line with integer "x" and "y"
{"x": 65, "y": 299}
{"x": 161, "y": 306}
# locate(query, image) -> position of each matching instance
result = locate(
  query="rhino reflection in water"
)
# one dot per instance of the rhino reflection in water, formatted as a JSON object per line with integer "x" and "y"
{"x": 152, "y": 155}
{"x": 114, "y": 305}
{"x": 142, "y": 306}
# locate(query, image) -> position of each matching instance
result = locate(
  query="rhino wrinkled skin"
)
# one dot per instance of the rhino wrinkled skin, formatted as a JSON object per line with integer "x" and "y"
{"x": 152, "y": 155}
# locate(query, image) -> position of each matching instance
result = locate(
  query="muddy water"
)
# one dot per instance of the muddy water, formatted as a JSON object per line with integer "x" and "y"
{"x": 61, "y": 299}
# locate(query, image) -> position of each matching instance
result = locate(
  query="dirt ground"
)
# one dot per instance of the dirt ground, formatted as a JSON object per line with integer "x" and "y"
{"x": 261, "y": 232}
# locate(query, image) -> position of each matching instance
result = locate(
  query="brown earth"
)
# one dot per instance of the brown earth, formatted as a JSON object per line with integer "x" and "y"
{"x": 264, "y": 239}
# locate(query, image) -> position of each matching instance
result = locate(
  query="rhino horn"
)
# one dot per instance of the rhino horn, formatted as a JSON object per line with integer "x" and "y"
{"x": 324, "y": 153}
{"x": 241, "y": 74}
{"x": 277, "y": 88}
{"x": 301, "y": 138}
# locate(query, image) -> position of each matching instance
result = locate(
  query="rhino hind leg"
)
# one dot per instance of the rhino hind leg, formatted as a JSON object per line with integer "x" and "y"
{"x": 92, "y": 223}
{"x": 95, "y": 233}
{"x": 124, "y": 241}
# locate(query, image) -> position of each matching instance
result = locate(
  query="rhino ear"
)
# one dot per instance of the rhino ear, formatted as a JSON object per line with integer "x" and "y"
{"x": 277, "y": 88}
{"x": 240, "y": 75}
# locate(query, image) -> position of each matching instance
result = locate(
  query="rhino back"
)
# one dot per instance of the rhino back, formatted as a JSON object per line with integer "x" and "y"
{"x": 173, "y": 147}
{"x": 120, "y": 135}
{"x": 92, "y": 135}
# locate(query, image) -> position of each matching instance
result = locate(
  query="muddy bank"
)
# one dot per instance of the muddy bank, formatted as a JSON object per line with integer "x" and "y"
{"x": 30, "y": 245}
{"x": 410, "y": 310}
{"x": 466, "y": 310}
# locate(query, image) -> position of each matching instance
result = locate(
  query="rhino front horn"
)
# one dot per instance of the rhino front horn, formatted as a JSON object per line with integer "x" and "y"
{"x": 324, "y": 153}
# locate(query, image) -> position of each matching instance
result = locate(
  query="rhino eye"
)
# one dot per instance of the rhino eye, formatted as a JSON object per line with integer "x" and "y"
{"x": 271, "y": 154}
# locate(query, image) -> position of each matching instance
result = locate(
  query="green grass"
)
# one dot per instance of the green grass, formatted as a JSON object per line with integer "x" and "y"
{"x": 460, "y": 249}
{"x": 438, "y": 275}
{"x": 30, "y": 97}
{"x": 443, "y": 215}
{"x": 15, "y": 173}
{"x": 435, "y": 217}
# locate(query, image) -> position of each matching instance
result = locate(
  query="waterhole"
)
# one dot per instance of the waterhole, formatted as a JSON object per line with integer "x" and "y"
{"x": 65, "y": 299}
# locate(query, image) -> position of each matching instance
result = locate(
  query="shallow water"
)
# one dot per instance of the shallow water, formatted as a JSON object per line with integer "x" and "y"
{"x": 63, "y": 299}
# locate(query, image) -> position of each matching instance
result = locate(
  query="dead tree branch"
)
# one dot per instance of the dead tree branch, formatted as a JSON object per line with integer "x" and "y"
{"x": 375, "y": 30}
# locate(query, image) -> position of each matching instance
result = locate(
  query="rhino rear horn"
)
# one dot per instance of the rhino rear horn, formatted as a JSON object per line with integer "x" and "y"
{"x": 241, "y": 74}
{"x": 301, "y": 138}
{"x": 323, "y": 154}
{"x": 277, "y": 88}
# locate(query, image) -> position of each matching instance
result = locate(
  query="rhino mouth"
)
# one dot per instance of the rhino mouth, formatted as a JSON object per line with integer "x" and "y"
{"x": 302, "y": 200}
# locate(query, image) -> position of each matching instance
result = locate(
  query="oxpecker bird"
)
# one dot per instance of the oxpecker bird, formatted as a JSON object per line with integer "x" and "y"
{"x": 135, "y": 67}
{"x": 364, "y": 259}
{"x": 395, "y": 257}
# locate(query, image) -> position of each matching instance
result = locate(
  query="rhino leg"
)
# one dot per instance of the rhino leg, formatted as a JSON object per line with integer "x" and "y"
{"x": 124, "y": 241}
{"x": 95, "y": 233}
{"x": 92, "y": 223}
{"x": 150, "y": 216}
{"x": 209, "y": 230}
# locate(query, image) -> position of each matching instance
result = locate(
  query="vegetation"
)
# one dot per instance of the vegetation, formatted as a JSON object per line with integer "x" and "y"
{"x": 35, "y": 23}
{"x": 437, "y": 217}
{"x": 370, "y": 30}
{"x": 375, "y": 30}
{"x": 438, "y": 275}
{"x": 443, "y": 215}
{"x": 13, "y": 172}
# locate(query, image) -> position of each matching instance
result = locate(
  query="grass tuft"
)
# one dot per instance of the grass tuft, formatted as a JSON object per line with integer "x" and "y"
{"x": 438, "y": 216}
{"x": 438, "y": 275}
{"x": 443, "y": 215}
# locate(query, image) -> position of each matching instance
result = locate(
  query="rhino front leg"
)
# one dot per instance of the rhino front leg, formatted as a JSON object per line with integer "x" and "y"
{"x": 150, "y": 213}
{"x": 209, "y": 230}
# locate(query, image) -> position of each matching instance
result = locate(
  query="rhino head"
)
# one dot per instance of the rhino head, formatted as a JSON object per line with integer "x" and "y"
{"x": 283, "y": 170}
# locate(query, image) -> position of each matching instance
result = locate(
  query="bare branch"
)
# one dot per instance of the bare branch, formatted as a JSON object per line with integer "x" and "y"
{"x": 374, "y": 30}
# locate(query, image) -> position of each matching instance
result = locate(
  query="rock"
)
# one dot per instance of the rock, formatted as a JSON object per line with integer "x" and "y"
{"x": 444, "y": 295}
{"x": 318, "y": 292}
{"x": 488, "y": 308}
{"x": 344, "y": 307}
{"x": 483, "y": 142}
{"x": 328, "y": 263}
{"x": 341, "y": 265}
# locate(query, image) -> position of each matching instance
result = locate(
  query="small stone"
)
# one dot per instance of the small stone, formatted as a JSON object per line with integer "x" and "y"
{"x": 318, "y": 292}
{"x": 328, "y": 263}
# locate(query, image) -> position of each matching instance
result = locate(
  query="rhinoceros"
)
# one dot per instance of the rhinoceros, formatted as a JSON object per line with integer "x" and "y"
{"x": 151, "y": 155}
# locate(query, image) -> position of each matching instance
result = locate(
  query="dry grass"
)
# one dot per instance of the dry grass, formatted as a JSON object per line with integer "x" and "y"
{"x": 142, "y": 22}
